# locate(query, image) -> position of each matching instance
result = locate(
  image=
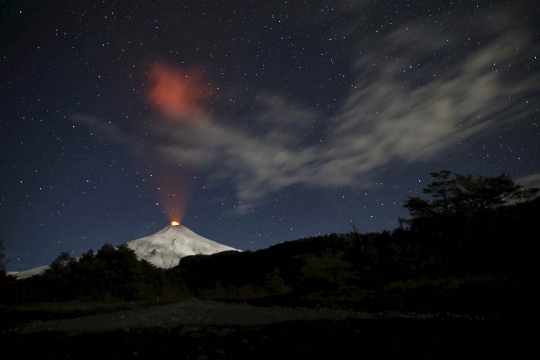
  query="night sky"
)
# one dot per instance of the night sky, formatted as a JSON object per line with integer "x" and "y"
{"x": 252, "y": 122}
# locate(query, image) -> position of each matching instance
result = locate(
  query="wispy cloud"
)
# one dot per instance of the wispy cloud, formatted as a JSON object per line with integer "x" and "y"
{"x": 407, "y": 105}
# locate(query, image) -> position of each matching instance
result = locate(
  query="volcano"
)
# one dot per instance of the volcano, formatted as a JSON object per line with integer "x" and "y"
{"x": 163, "y": 249}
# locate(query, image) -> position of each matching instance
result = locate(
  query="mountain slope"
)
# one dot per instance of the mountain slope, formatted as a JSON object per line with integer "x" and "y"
{"x": 165, "y": 248}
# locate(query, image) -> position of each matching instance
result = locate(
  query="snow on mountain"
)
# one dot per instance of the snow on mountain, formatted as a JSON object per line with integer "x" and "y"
{"x": 27, "y": 273}
{"x": 163, "y": 249}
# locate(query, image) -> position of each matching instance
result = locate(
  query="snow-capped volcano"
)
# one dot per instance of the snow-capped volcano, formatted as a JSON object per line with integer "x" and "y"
{"x": 163, "y": 249}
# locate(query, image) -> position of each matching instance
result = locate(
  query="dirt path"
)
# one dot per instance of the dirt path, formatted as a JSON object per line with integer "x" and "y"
{"x": 203, "y": 329}
{"x": 190, "y": 312}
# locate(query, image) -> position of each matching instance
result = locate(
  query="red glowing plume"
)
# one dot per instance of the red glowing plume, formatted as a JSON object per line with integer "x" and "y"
{"x": 176, "y": 93}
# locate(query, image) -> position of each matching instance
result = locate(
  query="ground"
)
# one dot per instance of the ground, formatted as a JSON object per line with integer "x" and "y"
{"x": 206, "y": 329}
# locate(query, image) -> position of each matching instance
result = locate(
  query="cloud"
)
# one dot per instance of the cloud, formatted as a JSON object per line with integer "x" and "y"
{"x": 417, "y": 95}
{"x": 387, "y": 118}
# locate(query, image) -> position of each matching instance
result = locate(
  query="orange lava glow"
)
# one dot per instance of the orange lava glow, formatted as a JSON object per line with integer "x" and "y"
{"x": 176, "y": 93}
{"x": 175, "y": 223}
{"x": 174, "y": 185}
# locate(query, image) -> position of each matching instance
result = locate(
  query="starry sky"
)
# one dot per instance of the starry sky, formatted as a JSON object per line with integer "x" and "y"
{"x": 252, "y": 122}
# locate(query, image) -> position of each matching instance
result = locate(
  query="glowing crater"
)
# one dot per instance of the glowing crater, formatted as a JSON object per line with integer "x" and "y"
{"x": 175, "y": 223}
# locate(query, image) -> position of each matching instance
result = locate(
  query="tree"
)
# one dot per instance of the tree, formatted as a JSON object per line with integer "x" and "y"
{"x": 61, "y": 260}
{"x": 355, "y": 234}
{"x": 274, "y": 282}
{"x": 442, "y": 190}
{"x": 326, "y": 270}
{"x": 465, "y": 195}
{"x": 2, "y": 256}
{"x": 474, "y": 196}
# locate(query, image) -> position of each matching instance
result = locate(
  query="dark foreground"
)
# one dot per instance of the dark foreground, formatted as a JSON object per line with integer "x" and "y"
{"x": 197, "y": 329}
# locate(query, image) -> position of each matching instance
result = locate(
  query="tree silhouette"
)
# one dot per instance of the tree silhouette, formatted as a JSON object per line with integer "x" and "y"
{"x": 465, "y": 195}
{"x": 477, "y": 195}
{"x": 61, "y": 260}
{"x": 2, "y": 256}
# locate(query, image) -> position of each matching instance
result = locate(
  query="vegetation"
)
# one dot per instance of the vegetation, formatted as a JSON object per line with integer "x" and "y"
{"x": 463, "y": 249}
{"x": 465, "y": 196}
{"x": 2, "y": 256}
{"x": 113, "y": 273}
